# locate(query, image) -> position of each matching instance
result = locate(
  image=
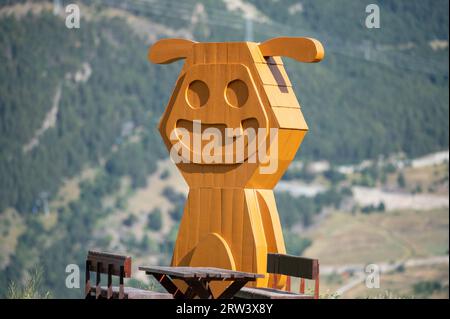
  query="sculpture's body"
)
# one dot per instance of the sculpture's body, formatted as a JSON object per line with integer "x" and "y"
{"x": 230, "y": 219}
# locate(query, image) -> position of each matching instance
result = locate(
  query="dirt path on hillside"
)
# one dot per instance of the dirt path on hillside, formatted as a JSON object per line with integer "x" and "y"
{"x": 396, "y": 201}
{"x": 359, "y": 274}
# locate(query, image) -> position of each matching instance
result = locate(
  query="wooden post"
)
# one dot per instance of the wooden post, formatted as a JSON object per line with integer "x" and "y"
{"x": 288, "y": 283}
{"x": 316, "y": 288}
{"x": 87, "y": 289}
{"x": 274, "y": 285}
{"x": 97, "y": 281}
{"x": 110, "y": 269}
{"x": 302, "y": 285}
{"x": 121, "y": 289}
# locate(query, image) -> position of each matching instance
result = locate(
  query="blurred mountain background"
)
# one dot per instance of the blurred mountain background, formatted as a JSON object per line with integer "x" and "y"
{"x": 82, "y": 164}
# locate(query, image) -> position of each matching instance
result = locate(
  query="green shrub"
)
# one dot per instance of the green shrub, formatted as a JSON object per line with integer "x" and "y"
{"x": 31, "y": 289}
{"x": 401, "y": 180}
{"x": 148, "y": 245}
{"x": 295, "y": 244}
{"x": 334, "y": 176}
{"x": 130, "y": 220}
{"x": 425, "y": 288}
{"x": 154, "y": 220}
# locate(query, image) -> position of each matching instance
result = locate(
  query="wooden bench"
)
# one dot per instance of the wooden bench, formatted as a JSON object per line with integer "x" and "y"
{"x": 280, "y": 264}
{"x": 198, "y": 280}
{"x": 114, "y": 265}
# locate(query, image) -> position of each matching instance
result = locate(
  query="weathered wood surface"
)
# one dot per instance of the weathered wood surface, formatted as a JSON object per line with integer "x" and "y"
{"x": 199, "y": 272}
{"x": 295, "y": 266}
{"x": 103, "y": 259}
{"x": 199, "y": 279}
{"x": 230, "y": 219}
{"x": 131, "y": 293}
{"x": 268, "y": 293}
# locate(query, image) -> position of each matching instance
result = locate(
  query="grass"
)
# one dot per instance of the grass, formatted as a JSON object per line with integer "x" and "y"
{"x": 31, "y": 289}
{"x": 380, "y": 237}
{"x": 428, "y": 179}
{"x": 345, "y": 239}
{"x": 309, "y": 289}
{"x": 416, "y": 282}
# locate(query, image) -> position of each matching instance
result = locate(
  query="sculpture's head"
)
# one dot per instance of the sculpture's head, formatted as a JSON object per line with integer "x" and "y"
{"x": 225, "y": 93}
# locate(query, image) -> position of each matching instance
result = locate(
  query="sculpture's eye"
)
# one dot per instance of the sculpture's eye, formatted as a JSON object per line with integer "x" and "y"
{"x": 236, "y": 93}
{"x": 197, "y": 94}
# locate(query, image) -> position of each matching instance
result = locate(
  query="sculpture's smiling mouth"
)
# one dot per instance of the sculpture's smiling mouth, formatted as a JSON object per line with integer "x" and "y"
{"x": 215, "y": 143}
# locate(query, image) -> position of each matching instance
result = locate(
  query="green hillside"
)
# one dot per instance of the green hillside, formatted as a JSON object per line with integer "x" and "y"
{"x": 108, "y": 99}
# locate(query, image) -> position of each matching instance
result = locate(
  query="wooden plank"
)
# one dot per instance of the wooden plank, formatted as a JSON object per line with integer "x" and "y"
{"x": 273, "y": 74}
{"x": 281, "y": 96}
{"x": 234, "y": 273}
{"x": 105, "y": 259}
{"x": 268, "y": 293}
{"x": 134, "y": 293}
{"x": 199, "y": 288}
{"x": 210, "y": 272}
{"x": 180, "y": 272}
{"x": 167, "y": 283}
{"x": 290, "y": 118}
{"x": 233, "y": 289}
{"x": 289, "y": 265}
{"x": 198, "y": 272}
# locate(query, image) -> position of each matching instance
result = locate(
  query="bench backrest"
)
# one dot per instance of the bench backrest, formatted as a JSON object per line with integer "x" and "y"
{"x": 106, "y": 263}
{"x": 294, "y": 266}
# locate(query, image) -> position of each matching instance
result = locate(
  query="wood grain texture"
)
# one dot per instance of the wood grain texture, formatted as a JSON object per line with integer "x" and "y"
{"x": 105, "y": 259}
{"x": 268, "y": 293}
{"x": 170, "y": 50}
{"x": 301, "y": 49}
{"x": 301, "y": 267}
{"x": 230, "y": 218}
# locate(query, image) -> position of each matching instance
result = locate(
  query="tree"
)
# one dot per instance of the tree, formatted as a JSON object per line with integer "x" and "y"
{"x": 130, "y": 220}
{"x": 154, "y": 220}
{"x": 401, "y": 180}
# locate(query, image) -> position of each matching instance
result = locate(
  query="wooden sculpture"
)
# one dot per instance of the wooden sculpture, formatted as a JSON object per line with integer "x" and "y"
{"x": 230, "y": 219}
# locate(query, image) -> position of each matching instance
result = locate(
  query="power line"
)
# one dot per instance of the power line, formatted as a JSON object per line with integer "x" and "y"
{"x": 222, "y": 18}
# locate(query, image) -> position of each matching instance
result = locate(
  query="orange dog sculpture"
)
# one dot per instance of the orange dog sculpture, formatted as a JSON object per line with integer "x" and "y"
{"x": 230, "y": 219}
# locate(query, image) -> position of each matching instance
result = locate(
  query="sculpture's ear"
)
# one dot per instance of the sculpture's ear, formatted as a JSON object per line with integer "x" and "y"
{"x": 169, "y": 50}
{"x": 301, "y": 49}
